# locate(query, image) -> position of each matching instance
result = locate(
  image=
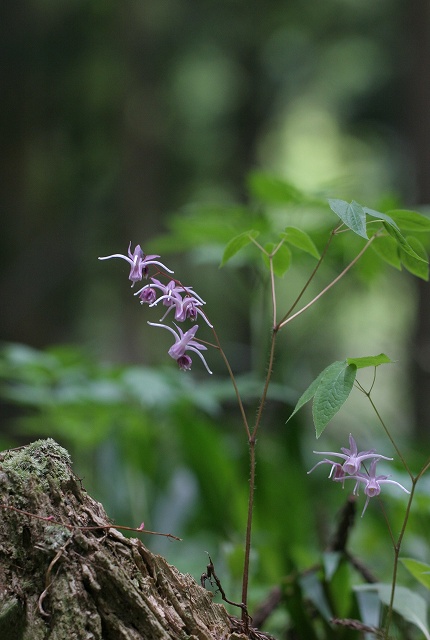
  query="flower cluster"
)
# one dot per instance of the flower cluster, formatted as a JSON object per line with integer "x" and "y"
{"x": 185, "y": 307}
{"x": 185, "y": 303}
{"x": 350, "y": 469}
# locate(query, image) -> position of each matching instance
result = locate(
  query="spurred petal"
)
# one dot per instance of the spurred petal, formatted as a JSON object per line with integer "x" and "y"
{"x": 138, "y": 263}
{"x": 184, "y": 342}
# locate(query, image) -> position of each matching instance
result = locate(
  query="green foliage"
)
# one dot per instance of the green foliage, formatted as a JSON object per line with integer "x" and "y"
{"x": 220, "y": 232}
{"x": 410, "y": 220}
{"x": 280, "y": 255}
{"x": 390, "y": 244}
{"x": 127, "y": 425}
{"x": 332, "y": 387}
{"x": 115, "y": 416}
{"x": 333, "y": 390}
{"x": 203, "y": 225}
{"x": 369, "y": 361}
{"x": 237, "y": 243}
{"x": 409, "y": 605}
{"x": 352, "y": 214}
{"x": 387, "y": 248}
{"x": 327, "y": 589}
{"x": 420, "y": 570}
{"x": 402, "y": 242}
{"x": 272, "y": 190}
{"x": 415, "y": 261}
{"x": 72, "y": 391}
{"x": 338, "y": 576}
{"x": 300, "y": 239}
{"x": 294, "y": 603}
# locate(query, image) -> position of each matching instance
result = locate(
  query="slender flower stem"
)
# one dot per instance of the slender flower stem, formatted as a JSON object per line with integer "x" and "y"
{"x": 396, "y": 543}
{"x": 252, "y": 463}
{"x": 252, "y": 456}
{"x": 389, "y": 436}
{"x": 397, "y": 548}
{"x": 387, "y": 522}
{"x": 245, "y": 576}
{"x": 234, "y": 383}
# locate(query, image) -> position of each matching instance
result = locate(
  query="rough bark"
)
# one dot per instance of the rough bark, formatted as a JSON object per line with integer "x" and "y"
{"x": 65, "y": 574}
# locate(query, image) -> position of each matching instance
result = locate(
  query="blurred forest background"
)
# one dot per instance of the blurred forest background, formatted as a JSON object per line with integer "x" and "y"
{"x": 141, "y": 120}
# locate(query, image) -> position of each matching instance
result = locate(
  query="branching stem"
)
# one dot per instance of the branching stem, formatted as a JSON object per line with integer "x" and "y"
{"x": 329, "y": 286}
{"x": 309, "y": 280}
{"x": 252, "y": 433}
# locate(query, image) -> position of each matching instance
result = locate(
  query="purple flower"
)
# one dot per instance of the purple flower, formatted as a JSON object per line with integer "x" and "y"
{"x": 147, "y": 295}
{"x": 372, "y": 482}
{"x": 337, "y": 470}
{"x": 138, "y": 263}
{"x": 169, "y": 291}
{"x": 185, "y": 308}
{"x": 184, "y": 342}
{"x": 352, "y": 457}
{"x": 350, "y": 470}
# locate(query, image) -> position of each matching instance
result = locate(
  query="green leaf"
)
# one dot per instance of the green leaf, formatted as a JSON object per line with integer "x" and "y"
{"x": 197, "y": 225}
{"x": 339, "y": 586}
{"x": 402, "y": 242}
{"x": 295, "y": 605}
{"x": 300, "y": 239}
{"x": 420, "y": 570}
{"x": 369, "y": 606}
{"x": 308, "y": 394}
{"x": 387, "y": 249}
{"x": 370, "y": 361}
{"x": 274, "y": 190}
{"x": 237, "y": 243}
{"x": 416, "y": 267}
{"x": 410, "y": 220}
{"x": 281, "y": 259}
{"x": 380, "y": 216}
{"x": 411, "y": 606}
{"x": 315, "y": 593}
{"x": 329, "y": 390}
{"x": 331, "y": 561}
{"x": 352, "y": 214}
{"x": 333, "y": 390}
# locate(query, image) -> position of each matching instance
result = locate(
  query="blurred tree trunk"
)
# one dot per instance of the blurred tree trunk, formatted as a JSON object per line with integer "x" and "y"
{"x": 61, "y": 581}
{"x": 419, "y": 126}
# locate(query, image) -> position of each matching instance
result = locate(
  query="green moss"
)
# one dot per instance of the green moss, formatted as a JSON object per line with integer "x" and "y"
{"x": 43, "y": 461}
{"x": 55, "y": 537}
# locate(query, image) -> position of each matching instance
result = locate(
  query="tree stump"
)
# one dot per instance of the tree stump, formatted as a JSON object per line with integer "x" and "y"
{"x": 67, "y": 574}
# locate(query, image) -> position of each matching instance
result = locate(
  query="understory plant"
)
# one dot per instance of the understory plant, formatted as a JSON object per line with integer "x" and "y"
{"x": 392, "y": 236}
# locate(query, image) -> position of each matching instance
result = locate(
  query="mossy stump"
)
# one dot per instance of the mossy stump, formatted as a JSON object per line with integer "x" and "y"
{"x": 60, "y": 581}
